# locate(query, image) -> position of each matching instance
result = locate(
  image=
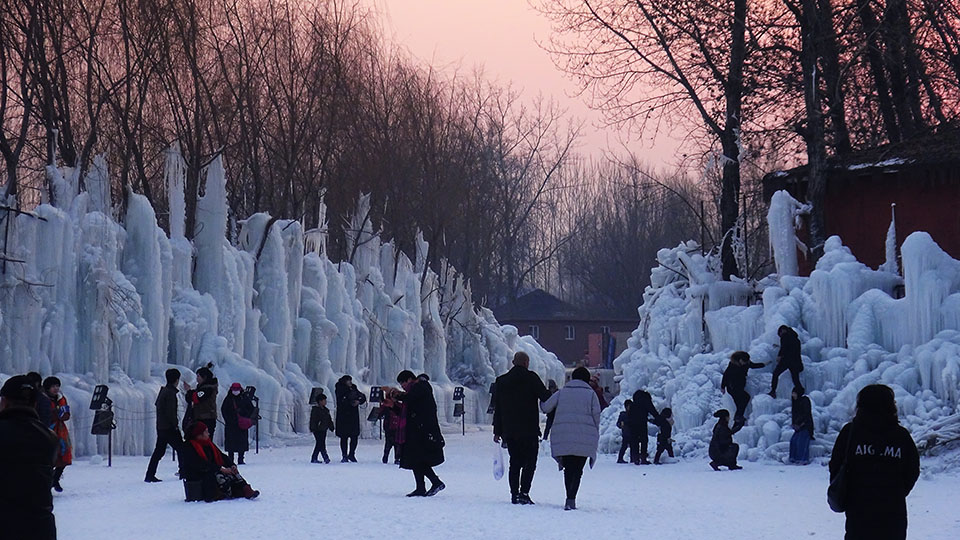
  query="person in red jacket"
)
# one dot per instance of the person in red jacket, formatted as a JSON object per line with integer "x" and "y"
{"x": 201, "y": 460}
{"x": 59, "y": 414}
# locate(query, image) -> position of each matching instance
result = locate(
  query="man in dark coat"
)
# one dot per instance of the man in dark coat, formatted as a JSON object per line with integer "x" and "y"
{"x": 516, "y": 420}
{"x": 423, "y": 446}
{"x": 168, "y": 424}
{"x": 349, "y": 400}
{"x": 641, "y": 412}
{"x": 27, "y": 451}
{"x": 42, "y": 405}
{"x": 882, "y": 466}
{"x": 787, "y": 358}
{"x": 202, "y": 402}
{"x": 735, "y": 381}
{"x": 237, "y": 404}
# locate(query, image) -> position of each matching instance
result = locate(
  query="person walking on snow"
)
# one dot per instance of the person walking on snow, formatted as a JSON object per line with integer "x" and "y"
{"x": 723, "y": 451}
{"x": 168, "y": 424}
{"x": 516, "y": 421}
{"x": 394, "y": 426}
{"x": 734, "y": 381}
{"x": 552, "y": 388}
{"x": 787, "y": 359}
{"x": 237, "y": 410}
{"x": 349, "y": 400}
{"x": 641, "y": 412}
{"x": 320, "y": 422}
{"x": 423, "y": 449}
{"x": 802, "y": 416}
{"x": 60, "y": 413}
{"x": 576, "y": 432}
{"x": 664, "y": 440}
{"x": 624, "y": 424}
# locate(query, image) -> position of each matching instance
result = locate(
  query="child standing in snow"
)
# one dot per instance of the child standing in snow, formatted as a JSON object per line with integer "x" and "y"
{"x": 624, "y": 425}
{"x": 320, "y": 422}
{"x": 664, "y": 442}
{"x": 802, "y": 416}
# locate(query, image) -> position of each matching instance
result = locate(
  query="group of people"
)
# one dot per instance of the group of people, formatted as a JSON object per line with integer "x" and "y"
{"x": 201, "y": 462}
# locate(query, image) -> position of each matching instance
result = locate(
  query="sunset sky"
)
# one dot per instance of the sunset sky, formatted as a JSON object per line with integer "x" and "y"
{"x": 501, "y": 36}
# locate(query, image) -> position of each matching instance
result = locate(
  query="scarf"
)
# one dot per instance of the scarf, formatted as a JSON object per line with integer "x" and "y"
{"x": 198, "y": 446}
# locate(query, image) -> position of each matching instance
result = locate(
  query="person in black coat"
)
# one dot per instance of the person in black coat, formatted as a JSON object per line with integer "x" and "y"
{"x": 27, "y": 452}
{"x": 882, "y": 466}
{"x": 423, "y": 446}
{"x": 320, "y": 423}
{"x": 787, "y": 358}
{"x": 801, "y": 412}
{"x": 664, "y": 440}
{"x": 516, "y": 420}
{"x": 42, "y": 404}
{"x": 723, "y": 451}
{"x": 235, "y": 406}
{"x": 624, "y": 424}
{"x": 734, "y": 381}
{"x": 168, "y": 424}
{"x": 349, "y": 400}
{"x": 201, "y": 461}
{"x": 552, "y": 389}
{"x": 202, "y": 401}
{"x": 641, "y": 412}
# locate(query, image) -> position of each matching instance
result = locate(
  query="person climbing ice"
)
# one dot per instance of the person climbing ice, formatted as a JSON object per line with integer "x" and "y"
{"x": 734, "y": 381}
{"x": 787, "y": 359}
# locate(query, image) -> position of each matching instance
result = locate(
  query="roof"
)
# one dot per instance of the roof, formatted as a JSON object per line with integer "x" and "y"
{"x": 539, "y": 305}
{"x": 932, "y": 149}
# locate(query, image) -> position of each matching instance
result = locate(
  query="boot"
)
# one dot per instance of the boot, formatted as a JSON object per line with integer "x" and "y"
{"x": 240, "y": 459}
{"x": 525, "y": 499}
{"x": 734, "y": 467}
{"x": 249, "y": 492}
{"x": 152, "y": 479}
{"x": 436, "y": 488}
{"x": 386, "y": 457}
{"x": 570, "y": 505}
{"x": 57, "y": 474}
{"x": 715, "y": 466}
{"x": 352, "y": 458}
{"x": 417, "y": 493}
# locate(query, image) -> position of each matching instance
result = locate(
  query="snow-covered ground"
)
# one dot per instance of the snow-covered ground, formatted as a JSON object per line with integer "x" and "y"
{"x": 366, "y": 500}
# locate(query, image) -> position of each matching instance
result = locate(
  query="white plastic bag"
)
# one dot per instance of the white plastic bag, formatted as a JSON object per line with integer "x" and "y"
{"x": 497, "y": 461}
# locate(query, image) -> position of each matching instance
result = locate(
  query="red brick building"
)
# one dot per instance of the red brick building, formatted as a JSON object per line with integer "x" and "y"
{"x": 921, "y": 176}
{"x": 565, "y": 330}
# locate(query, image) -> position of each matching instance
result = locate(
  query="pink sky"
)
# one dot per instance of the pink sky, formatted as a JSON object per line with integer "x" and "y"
{"x": 501, "y": 36}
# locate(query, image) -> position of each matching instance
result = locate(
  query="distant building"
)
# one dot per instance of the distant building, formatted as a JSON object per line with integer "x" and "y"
{"x": 921, "y": 176}
{"x": 574, "y": 335}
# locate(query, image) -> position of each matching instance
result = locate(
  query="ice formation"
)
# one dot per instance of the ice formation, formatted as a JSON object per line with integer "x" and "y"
{"x": 97, "y": 301}
{"x": 854, "y": 329}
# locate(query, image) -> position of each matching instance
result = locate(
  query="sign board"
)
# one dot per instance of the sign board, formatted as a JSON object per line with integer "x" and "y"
{"x": 458, "y": 393}
{"x": 100, "y": 398}
{"x": 375, "y": 413}
{"x": 315, "y": 393}
{"x": 458, "y": 409}
{"x": 376, "y": 394}
{"x": 102, "y": 423}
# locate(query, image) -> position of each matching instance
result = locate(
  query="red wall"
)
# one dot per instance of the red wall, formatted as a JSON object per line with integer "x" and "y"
{"x": 858, "y": 210}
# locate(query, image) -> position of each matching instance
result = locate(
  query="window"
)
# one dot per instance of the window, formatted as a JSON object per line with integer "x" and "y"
{"x": 571, "y": 333}
{"x": 605, "y": 330}
{"x": 535, "y": 332}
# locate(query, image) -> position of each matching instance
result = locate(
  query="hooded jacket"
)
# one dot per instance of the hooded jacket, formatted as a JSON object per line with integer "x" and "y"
{"x": 576, "y": 426}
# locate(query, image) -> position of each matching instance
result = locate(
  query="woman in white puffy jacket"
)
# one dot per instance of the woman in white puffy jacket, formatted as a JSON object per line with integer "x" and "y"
{"x": 576, "y": 430}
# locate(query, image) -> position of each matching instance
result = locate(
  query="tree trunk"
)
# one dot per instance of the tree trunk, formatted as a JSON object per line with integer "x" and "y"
{"x": 815, "y": 133}
{"x": 730, "y": 140}
{"x": 869, "y": 25}
{"x": 830, "y": 58}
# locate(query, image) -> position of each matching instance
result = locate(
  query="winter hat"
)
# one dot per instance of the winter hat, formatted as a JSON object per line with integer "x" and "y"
{"x": 197, "y": 430}
{"x": 50, "y": 382}
{"x": 722, "y": 413}
{"x": 236, "y": 386}
{"x": 19, "y": 389}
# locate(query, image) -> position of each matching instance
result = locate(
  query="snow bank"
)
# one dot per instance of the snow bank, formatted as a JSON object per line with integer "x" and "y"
{"x": 853, "y": 329}
{"x": 99, "y": 302}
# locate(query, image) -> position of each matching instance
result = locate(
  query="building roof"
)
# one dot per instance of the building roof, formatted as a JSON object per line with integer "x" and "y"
{"x": 539, "y": 305}
{"x": 932, "y": 149}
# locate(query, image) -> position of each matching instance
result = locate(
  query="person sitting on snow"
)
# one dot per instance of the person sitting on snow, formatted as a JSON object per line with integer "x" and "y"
{"x": 723, "y": 451}
{"x": 201, "y": 460}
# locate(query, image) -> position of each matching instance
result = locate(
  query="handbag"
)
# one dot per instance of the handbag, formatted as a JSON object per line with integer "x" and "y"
{"x": 838, "y": 490}
{"x": 244, "y": 423}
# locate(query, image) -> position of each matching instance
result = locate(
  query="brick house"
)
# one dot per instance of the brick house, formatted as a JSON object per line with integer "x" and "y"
{"x": 566, "y": 330}
{"x": 920, "y": 176}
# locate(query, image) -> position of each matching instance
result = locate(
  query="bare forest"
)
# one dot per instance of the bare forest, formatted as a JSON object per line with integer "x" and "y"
{"x": 307, "y": 101}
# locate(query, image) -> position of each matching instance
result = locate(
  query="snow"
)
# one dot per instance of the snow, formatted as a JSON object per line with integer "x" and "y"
{"x": 305, "y": 500}
{"x": 783, "y": 218}
{"x": 892, "y": 162}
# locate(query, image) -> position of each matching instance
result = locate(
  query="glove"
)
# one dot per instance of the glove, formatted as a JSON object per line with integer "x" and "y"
{"x": 63, "y": 411}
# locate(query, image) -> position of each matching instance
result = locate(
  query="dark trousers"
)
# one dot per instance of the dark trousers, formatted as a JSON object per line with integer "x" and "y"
{"x": 728, "y": 457}
{"x": 624, "y": 444}
{"x": 239, "y": 457}
{"x": 741, "y": 398}
{"x": 661, "y": 447}
{"x": 572, "y": 472}
{"x": 523, "y": 463}
{"x": 422, "y": 471}
{"x": 320, "y": 448}
{"x": 777, "y": 371}
{"x": 164, "y": 437}
{"x": 638, "y": 447}
{"x": 390, "y": 443}
{"x": 344, "y": 441}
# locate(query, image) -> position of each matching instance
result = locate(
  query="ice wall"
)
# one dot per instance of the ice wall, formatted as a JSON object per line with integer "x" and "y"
{"x": 99, "y": 301}
{"x": 853, "y": 330}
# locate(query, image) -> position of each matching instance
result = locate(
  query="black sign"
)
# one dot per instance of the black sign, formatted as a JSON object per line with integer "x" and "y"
{"x": 458, "y": 409}
{"x": 376, "y": 394}
{"x": 102, "y": 422}
{"x": 100, "y": 399}
{"x": 375, "y": 413}
{"x": 458, "y": 393}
